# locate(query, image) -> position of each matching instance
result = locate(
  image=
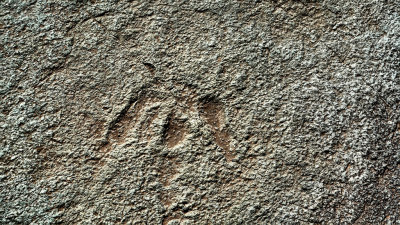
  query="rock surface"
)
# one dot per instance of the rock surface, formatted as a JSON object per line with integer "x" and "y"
{"x": 200, "y": 112}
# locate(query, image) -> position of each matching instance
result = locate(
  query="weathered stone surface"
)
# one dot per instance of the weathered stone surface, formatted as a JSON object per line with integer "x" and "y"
{"x": 200, "y": 112}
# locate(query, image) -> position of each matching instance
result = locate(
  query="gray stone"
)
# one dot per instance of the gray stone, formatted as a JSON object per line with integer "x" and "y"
{"x": 200, "y": 112}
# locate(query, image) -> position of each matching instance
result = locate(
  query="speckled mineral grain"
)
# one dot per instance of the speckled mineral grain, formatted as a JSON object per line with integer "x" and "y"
{"x": 200, "y": 112}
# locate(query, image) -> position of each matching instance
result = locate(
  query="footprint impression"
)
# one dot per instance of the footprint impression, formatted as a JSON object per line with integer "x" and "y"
{"x": 137, "y": 120}
{"x": 156, "y": 120}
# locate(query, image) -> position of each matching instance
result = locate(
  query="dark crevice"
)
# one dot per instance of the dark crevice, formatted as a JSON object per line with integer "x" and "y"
{"x": 150, "y": 67}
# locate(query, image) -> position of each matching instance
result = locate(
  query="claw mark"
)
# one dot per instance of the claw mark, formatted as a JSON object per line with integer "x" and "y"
{"x": 174, "y": 132}
{"x": 122, "y": 114}
{"x": 128, "y": 118}
{"x": 117, "y": 128}
{"x": 213, "y": 113}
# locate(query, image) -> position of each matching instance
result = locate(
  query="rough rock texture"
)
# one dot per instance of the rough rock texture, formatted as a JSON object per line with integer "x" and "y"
{"x": 200, "y": 112}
